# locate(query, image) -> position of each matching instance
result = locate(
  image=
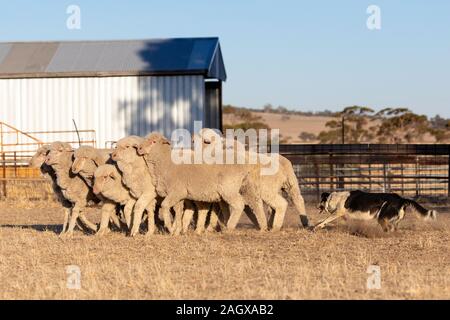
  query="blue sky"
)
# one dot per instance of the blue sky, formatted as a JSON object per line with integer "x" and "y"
{"x": 307, "y": 55}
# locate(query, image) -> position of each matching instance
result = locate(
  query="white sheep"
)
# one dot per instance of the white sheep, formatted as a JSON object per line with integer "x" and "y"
{"x": 73, "y": 187}
{"x": 196, "y": 182}
{"x": 86, "y": 160}
{"x": 269, "y": 186}
{"x": 136, "y": 177}
{"x": 108, "y": 184}
{"x": 38, "y": 161}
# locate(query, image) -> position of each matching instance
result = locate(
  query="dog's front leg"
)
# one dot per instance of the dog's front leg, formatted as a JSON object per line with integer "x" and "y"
{"x": 326, "y": 221}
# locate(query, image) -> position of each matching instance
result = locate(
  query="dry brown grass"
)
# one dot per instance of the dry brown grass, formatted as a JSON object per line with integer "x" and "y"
{"x": 246, "y": 264}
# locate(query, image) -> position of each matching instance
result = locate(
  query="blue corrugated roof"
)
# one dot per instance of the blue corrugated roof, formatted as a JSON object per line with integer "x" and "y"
{"x": 118, "y": 57}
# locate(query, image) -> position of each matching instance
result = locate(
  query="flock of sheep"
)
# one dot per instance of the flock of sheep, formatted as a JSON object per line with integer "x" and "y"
{"x": 138, "y": 178}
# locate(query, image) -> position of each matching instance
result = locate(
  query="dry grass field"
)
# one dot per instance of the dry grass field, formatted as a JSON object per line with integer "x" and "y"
{"x": 246, "y": 264}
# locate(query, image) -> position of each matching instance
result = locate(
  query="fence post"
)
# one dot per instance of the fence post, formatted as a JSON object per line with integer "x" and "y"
{"x": 15, "y": 165}
{"x": 317, "y": 172}
{"x": 448, "y": 175}
{"x": 4, "y": 175}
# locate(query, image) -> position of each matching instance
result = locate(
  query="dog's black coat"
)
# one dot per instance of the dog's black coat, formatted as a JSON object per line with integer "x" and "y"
{"x": 385, "y": 207}
{"x": 364, "y": 201}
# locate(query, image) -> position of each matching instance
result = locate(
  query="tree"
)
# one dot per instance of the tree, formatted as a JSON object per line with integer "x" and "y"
{"x": 307, "y": 136}
{"x": 350, "y": 128}
{"x": 268, "y": 107}
{"x": 400, "y": 125}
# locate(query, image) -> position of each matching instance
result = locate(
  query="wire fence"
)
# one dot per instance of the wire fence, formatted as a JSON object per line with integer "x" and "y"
{"x": 417, "y": 171}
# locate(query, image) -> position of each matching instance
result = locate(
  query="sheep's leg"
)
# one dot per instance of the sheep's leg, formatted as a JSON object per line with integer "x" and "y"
{"x": 127, "y": 210}
{"x": 224, "y": 214}
{"x": 248, "y": 211}
{"x": 168, "y": 203}
{"x": 252, "y": 196}
{"x": 203, "y": 209}
{"x": 87, "y": 223}
{"x": 299, "y": 204}
{"x": 115, "y": 219}
{"x": 187, "y": 215}
{"x": 151, "y": 226}
{"x": 213, "y": 218}
{"x": 236, "y": 205}
{"x": 141, "y": 204}
{"x": 177, "y": 227}
{"x": 75, "y": 212}
{"x": 259, "y": 215}
{"x": 280, "y": 206}
{"x": 107, "y": 209}
{"x": 66, "y": 220}
{"x": 271, "y": 217}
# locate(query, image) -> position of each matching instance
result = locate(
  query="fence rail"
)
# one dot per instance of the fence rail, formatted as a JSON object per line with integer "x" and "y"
{"x": 16, "y": 149}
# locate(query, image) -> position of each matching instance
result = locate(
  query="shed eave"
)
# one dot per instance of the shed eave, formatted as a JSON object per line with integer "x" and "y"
{"x": 90, "y": 74}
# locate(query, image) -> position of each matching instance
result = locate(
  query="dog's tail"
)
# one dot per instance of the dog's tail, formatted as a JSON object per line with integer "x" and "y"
{"x": 424, "y": 213}
{"x": 293, "y": 190}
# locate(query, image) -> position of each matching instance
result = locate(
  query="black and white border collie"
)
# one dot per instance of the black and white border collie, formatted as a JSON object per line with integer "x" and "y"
{"x": 387, "y": 208}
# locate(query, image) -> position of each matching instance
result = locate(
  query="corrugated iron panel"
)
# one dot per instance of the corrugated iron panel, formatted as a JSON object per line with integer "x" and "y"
{"x": 28, "y": 57}
{"x": 4, "y": 49}
{"x": 113, "y": 106}
{"x": 107, "y": 58}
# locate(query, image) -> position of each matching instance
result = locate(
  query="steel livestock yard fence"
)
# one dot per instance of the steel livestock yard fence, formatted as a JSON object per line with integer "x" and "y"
{"x": 17, "y": 178}
{"x": 413, "y": 170}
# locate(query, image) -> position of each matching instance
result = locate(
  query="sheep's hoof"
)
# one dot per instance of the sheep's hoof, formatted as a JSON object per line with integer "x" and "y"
{"x": 227, "y": 230}
{"x": 66, "y": 235}
{"x": 133, "y": 233}
{"x": 102, "y": 232}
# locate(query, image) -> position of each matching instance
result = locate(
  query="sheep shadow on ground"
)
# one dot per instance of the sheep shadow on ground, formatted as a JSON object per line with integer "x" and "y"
{"x": 55, "y": 228}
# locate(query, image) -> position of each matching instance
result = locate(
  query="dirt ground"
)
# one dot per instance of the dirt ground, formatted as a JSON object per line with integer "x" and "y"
{"x": 245, "y": 264}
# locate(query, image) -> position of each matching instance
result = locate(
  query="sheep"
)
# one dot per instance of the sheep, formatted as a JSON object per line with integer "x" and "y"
{"x": 198, "y": 182}
{"x": 38, "y": 161}
{"x": 138, "y": 180}
{"x": 270, "y": 185}
{"x": 108, "y": 184}
{"x": 250, "y": 190}
{"x": 73, "y": 187}
{"x": 86, "y": 160}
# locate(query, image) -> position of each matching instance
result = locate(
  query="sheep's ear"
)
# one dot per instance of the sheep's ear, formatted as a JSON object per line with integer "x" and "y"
{"x": 68, "y": 148}
{"x": 97, "y": 160}
{"x": 165, "y": 141}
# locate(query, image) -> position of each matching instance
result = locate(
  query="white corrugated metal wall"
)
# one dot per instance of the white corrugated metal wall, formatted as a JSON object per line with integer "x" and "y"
{"x": 113, "y": 106}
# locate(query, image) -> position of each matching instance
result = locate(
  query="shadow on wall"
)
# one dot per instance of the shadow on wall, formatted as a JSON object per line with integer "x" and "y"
{"x": 162, "y": 103}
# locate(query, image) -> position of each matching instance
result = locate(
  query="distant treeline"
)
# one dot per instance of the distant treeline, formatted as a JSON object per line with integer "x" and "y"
{"x": 355, "y": 124}
{"x": 268, "y": 108}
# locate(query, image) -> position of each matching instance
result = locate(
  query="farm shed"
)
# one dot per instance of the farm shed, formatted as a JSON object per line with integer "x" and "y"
{"x": 115, "y": 88}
